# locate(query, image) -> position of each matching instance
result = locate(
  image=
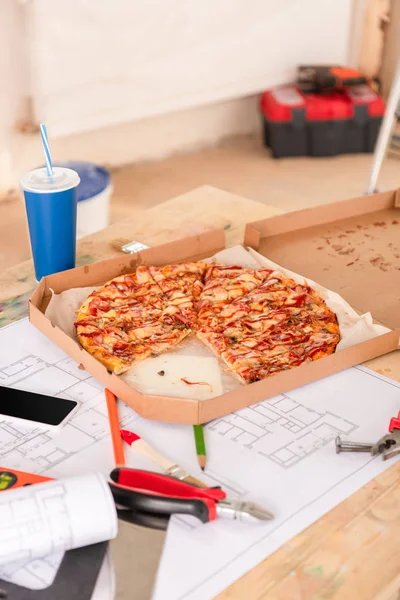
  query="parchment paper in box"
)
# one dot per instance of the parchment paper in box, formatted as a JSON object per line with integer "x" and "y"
{"x": 191, "y": 360}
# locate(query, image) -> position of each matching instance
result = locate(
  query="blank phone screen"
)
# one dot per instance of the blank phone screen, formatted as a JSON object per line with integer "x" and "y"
{"x": 34, "y": 407}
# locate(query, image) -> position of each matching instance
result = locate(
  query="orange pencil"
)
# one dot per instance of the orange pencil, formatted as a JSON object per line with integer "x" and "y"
{"x": 117, "y": 441}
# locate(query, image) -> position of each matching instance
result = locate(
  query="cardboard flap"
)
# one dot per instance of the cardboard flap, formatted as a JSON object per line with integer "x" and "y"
{"x": 252, "y": 237}
{"x": 191, "y": 249}
{"x": 327, "y": 213}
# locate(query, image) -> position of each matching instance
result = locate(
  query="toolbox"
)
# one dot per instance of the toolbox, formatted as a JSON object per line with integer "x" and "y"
{"x": 301, "y": 123}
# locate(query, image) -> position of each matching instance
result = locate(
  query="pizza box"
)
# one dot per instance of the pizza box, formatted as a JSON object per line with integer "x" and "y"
{"x": 349, "y": 247}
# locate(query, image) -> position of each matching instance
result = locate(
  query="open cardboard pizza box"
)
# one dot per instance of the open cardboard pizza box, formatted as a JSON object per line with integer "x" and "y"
{"x": 350, "y": 247}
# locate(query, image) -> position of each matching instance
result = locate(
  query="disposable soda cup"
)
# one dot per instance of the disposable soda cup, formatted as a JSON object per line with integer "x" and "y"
{"x": 51, "y": 206}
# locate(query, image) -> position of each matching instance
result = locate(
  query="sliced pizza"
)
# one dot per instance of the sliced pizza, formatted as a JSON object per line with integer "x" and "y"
{"x": 258, "y": 321}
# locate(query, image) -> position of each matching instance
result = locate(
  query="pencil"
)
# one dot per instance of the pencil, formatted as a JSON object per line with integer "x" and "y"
{"x": 114, "y": 428}
{"x": 200, "y": 445}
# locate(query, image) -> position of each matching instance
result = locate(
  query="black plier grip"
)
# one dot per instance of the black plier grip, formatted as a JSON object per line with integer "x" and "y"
{"x": 150, "y": 498}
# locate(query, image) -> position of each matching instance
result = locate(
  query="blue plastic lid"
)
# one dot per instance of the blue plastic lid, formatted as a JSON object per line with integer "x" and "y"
{"x": 94, "y": 179}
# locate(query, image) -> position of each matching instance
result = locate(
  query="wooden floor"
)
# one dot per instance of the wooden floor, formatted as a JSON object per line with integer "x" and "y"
{"x": 241, "y": 166}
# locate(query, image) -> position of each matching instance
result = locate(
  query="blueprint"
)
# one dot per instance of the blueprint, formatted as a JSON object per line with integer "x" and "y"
{"x": 282, "y": 429}
{"x": 29, "y": 361}
{"x": 279, "y": 453}
{"x": 38, "y": 451}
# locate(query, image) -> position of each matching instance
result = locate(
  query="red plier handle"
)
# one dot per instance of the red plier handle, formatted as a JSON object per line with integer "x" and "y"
{"x": 164, "y": 485}
{"x": 148, "y": 493}
{"x": 394, "y": 423}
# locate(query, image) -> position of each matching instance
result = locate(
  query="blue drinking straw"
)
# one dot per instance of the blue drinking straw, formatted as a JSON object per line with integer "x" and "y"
{"x": 46, "y": 149}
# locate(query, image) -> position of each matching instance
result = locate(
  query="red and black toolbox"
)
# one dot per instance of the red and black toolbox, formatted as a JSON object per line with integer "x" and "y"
{"x": 301, "y": 123}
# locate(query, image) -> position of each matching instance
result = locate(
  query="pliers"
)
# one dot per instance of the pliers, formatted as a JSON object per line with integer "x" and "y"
{"x": 389, "y": 444}
{"x": 149, "y": 499}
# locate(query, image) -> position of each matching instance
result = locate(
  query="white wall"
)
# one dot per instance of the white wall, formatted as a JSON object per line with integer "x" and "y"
{"x": 148, "y": 139}
{"x": 13, "y": 82}
{"x": 130, "y": 80}
{"x": 102, "y": 63}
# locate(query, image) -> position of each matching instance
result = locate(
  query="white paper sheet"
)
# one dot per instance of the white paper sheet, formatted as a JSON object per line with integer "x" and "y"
{"x": 264, "y": 453}
{"x": 59, "y": 515}
{"x": 280, "y": 453}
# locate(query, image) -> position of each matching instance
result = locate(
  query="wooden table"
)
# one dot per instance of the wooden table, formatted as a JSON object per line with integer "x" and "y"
{"x": 353, "y": 552}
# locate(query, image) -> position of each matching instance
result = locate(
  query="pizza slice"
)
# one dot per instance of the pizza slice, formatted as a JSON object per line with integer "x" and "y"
{"x": 118, "y": 345}
{"x": 222, "y": 285}
{"x": 250, "y": 364}
{"x": 126, "y": 290}
{"x": 254, "y": 358}
{"x": 181, "y": 285}
{"x": 278, "y": 302}
{"x": 110, "y": 345}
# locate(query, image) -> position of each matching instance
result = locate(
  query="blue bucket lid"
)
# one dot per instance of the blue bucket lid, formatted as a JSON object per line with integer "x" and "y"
{"x": 94, "y": 179}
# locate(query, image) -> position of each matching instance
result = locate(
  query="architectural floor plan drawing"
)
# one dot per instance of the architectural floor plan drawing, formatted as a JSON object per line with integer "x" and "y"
{"x": 282, "y": 429}
{"x": 39, "y": 522}
{"x": 38, "y": 450}
{"x": 264, "y": 453}
{"x": 297, "y": 486}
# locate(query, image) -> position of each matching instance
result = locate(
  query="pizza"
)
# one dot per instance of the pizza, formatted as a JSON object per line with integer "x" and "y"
{"x": 257, "y": 321}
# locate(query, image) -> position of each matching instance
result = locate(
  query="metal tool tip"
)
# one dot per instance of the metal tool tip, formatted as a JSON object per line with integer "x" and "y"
{"x": 256, "y": 512}
{"x": 249, "y": 512}
{"x": 262, "y": 514}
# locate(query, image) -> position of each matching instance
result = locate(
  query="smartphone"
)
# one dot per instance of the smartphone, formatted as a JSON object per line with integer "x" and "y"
{"x": 35, "y": 410}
